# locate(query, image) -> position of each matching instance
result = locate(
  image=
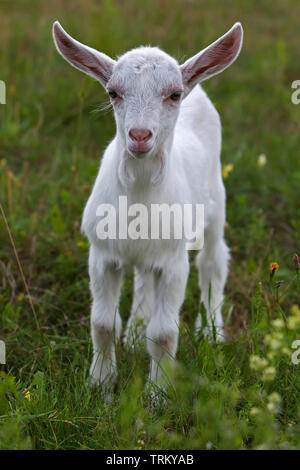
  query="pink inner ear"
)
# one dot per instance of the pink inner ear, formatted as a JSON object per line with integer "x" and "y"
{"x": 216, "y": 57}
{"x": 80, "y": 56}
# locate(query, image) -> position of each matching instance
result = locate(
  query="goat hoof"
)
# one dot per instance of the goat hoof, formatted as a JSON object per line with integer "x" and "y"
{"x": 106, "y": 389}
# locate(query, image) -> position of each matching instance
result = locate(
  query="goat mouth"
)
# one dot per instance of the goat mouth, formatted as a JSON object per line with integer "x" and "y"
{"x": 139, "y": 152}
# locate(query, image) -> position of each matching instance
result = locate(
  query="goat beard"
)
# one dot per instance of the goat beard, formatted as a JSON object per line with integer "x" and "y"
{"x": 125, "y": 175}
{"x": 158, "y": 176}
{"x": 126, "y": 169}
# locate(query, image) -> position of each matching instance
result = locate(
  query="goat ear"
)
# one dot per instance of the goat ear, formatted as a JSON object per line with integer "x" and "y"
{"x": 84, "y": 58}
{"x": 214, "y": 58}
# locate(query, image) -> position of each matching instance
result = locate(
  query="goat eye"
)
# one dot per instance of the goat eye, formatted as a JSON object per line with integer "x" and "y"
{"x": 113, "y": 94}
{"x": 175, "y": 96}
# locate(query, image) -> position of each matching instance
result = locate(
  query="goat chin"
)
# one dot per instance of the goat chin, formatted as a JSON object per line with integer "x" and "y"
{"x": 128, "y": 171}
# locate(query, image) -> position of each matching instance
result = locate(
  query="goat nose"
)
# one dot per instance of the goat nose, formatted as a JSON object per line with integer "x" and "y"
{"x": 140, "y": 135}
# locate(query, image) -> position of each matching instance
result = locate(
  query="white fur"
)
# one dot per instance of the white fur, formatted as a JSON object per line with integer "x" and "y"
{"x": 182, "y": 166}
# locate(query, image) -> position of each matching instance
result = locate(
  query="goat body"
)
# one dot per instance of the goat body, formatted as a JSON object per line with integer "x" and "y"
{"x": 166, "y": 150}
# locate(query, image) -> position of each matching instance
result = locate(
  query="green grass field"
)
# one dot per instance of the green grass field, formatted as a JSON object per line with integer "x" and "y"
{"x": 240, "y": 395}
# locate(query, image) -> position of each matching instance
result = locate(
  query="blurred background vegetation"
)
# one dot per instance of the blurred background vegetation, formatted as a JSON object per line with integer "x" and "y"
{"x": 52, "y": 135}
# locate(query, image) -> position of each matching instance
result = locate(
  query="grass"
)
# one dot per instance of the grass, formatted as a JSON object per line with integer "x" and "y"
{"x": 240, "y": 395}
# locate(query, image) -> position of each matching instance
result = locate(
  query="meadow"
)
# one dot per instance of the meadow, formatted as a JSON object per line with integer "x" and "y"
{"x": 243, "y": 394}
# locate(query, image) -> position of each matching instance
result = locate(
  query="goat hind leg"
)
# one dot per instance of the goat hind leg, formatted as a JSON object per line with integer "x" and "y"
{"x": 212, "y": 265}
{"x": 142, "y": 307}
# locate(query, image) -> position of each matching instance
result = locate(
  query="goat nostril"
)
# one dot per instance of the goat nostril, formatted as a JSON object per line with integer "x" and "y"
{"x": 140, "y": 135}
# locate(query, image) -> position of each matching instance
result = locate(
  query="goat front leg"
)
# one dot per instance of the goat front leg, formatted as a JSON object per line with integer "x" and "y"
{"x": 162, "y": 331}
{"x": 105, "y": 284}
{"x": 142, "y": 306}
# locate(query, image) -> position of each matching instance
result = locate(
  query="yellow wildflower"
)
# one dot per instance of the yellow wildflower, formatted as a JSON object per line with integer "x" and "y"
{"x": 271, "y": 407}
{"x": 274, "y": 400}
{"x": 295, "y": 310}
{"x": 271, "y": 355}
{"x": 27, "y": 395}
{"x": 274, "y": 340}
{"x": 2, "y": 163}
{"x": 226, "y": 170}
{"x": 293, "y": 323}
{"x": 262, "y": 160}
{"x": 278, "y": 323}
{"x": 269, "y": 374}
{"x": 286, "y": 351}
{"x": 80, "y": 244}
{"x": 255, "y": 411}
{"x": 273, "y": 269}
{"x": 257, "y": 363}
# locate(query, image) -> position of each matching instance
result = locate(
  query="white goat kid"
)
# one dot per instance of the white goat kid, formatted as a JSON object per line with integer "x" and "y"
{"x": 166, "y": 150}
